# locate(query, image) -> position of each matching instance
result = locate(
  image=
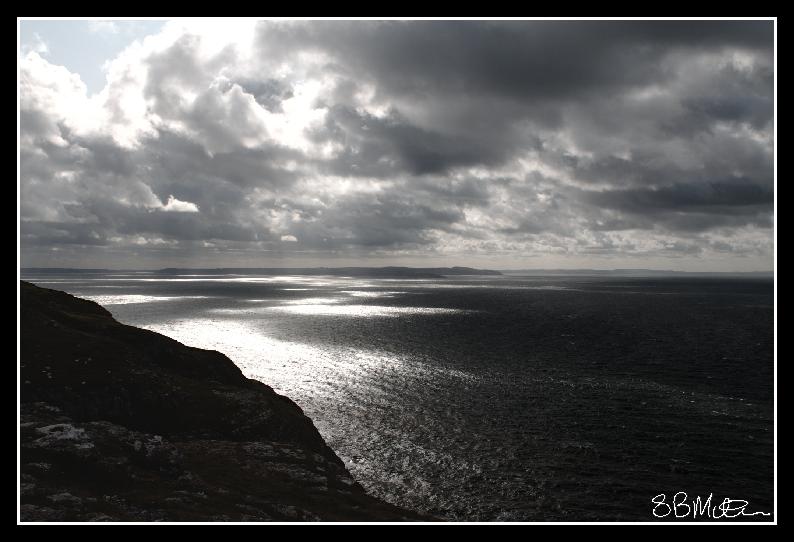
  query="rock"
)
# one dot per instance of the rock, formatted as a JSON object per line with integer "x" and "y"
{"x": 153, "y": 430}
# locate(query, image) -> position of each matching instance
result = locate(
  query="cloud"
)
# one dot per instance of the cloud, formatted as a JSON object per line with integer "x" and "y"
{"x": 37, "y": 45}
{"x": 174, "y": 205}
{"x": 436, "y": 139}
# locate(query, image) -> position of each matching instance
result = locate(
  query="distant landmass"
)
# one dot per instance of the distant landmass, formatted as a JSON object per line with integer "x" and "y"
{"x": 384, "y": 272}
{"x": 379, "y": 272}
{"x": 636, "y": 273}
{"x": 122, "y": 424}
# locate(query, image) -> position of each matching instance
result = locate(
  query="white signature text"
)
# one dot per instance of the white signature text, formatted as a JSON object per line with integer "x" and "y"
{"x": 681, "y": 507}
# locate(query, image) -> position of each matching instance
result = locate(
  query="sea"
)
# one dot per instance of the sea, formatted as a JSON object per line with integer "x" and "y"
{"x": 501, "y": 398}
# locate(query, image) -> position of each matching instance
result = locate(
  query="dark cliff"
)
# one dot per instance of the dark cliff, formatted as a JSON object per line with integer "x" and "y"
{"x": 124, "y": 424}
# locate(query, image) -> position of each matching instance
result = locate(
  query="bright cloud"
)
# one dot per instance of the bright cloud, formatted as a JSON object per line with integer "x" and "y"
{"x": 177, "y": 206}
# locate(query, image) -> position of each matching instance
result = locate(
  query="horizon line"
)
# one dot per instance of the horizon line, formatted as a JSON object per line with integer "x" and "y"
{"x": 539, "y": 269}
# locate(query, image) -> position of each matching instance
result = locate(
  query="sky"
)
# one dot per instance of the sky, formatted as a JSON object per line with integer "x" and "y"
{"x": 498, "y": 144}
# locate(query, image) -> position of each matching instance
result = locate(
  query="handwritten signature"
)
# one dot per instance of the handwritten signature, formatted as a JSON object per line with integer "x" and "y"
{"x": 679, "y": 506}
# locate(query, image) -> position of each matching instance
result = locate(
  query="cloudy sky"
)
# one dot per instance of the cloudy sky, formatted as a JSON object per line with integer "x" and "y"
{"x": 501, "y": 144}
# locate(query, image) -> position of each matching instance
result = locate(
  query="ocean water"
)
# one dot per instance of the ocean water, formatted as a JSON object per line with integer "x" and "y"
{"x": 498, "y": 398}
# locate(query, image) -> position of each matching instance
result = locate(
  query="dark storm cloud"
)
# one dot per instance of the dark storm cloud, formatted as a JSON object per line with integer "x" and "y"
{"x": 734, "y": 195}
{"x": 580, "y": 137}
{"x": 753, "y": 110}
{"x": 520, "y": 59}
{"x": 397, "y": 217}
{"x": 528, "y": 74}
{"x": 268, "y": 93}
{"x": 466, "y": 191}
{"x": 103, "y": 156}
{"x": 649, "y": 168}
{"x": 44, "y": 233}
{"x": 391, "y": 145}
{"x": 679, "y": 207}
{"x": 108, "y": 219}
{"x": 182, "y": 160}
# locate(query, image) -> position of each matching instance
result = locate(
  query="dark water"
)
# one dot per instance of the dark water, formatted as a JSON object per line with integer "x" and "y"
{"x": 499, "y": 398}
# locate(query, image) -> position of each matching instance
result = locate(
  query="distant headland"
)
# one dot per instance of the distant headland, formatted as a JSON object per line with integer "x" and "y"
{"x": 376, "y": 272}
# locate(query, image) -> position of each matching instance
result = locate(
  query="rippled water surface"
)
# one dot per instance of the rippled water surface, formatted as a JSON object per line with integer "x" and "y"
{"x": 498, "y": 398}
